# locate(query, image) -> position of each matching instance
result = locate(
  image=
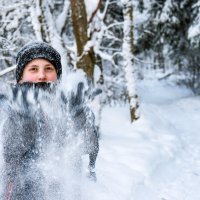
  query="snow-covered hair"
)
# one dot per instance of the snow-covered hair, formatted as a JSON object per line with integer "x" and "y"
{"x": 37, "y": 50}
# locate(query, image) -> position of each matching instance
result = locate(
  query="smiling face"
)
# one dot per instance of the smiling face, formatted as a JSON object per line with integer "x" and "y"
{"x": 39, "y": 70}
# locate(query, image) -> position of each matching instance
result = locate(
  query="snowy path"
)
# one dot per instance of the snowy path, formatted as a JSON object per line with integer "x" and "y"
{"x": 156, "y": 158}
{"x": 180, "y": 178}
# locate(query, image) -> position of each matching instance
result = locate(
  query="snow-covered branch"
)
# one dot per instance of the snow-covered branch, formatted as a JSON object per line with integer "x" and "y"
{"x": 62, "y": 17}
{"x": 9, "y": 69}
{"x": 13, "y": 6}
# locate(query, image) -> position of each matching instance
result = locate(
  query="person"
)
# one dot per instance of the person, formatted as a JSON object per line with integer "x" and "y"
{"x": 27, "y": 129}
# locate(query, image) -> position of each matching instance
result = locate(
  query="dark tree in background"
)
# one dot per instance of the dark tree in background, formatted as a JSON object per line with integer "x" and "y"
{"x": 165, "y": 35}
{"x": 85, "y": 57}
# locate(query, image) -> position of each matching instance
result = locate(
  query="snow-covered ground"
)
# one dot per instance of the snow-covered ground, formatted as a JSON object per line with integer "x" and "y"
{"x": 155, "y": 158}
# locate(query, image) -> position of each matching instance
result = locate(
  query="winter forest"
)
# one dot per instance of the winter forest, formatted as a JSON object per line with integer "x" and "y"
{"x": 120, "y": 40}
{"x": 145, "y": 56}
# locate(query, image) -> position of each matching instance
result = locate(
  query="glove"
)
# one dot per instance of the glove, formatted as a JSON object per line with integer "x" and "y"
{"x": 25, "y": 96}
{"x": 77, "y": 101}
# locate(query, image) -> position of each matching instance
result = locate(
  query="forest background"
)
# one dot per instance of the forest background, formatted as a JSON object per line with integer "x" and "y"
{"x": 116, "y": 42}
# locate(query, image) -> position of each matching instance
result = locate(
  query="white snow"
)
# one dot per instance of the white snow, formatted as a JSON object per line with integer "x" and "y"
{"x": 155, "y": 158}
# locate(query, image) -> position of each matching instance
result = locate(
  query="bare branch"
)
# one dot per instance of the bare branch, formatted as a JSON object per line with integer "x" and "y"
{"x": 95, "y": 11}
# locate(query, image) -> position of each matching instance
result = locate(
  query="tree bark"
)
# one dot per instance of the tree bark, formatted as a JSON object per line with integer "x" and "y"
{"x": 86, "y": 57}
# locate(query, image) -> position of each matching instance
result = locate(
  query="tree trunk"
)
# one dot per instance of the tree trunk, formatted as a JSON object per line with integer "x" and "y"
{"x": 130, "y": 68}
{"x": 86, "y": 56}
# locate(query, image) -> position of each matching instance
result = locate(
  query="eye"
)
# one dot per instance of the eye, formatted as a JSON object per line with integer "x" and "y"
{"x": 33, "y": 69}
{"x": 49, "y": 68}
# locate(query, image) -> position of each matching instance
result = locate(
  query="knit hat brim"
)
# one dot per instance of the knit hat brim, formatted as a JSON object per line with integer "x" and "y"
{"x": 37, "y": 50}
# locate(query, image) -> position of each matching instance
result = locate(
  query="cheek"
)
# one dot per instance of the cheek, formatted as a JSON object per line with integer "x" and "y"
{"x": 28, "y": 77}
{"x": 52, "y": 77}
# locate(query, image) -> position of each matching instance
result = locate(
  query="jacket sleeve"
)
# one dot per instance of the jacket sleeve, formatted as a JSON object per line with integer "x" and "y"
{"x": 83, "y": 118}
{"x": 18, "y": 139}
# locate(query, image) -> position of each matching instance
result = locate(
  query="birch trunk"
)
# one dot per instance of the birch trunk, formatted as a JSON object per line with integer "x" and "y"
{"x": 36, "y": 16}
{"x": 130, "y": 69}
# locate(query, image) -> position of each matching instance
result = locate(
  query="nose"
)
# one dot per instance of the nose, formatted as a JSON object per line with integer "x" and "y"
{"x": 41, "y": 76}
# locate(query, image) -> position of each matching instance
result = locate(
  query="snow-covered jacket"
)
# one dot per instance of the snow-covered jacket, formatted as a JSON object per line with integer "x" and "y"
{"x": 28, "y": 129}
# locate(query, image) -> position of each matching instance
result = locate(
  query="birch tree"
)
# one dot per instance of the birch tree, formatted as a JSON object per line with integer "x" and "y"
{"x": 48, "y": 27}
{"x": 130, "y": 69}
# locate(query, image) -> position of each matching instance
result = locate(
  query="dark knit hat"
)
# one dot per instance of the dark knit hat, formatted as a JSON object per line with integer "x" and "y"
{"x": 37, "y": 50}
